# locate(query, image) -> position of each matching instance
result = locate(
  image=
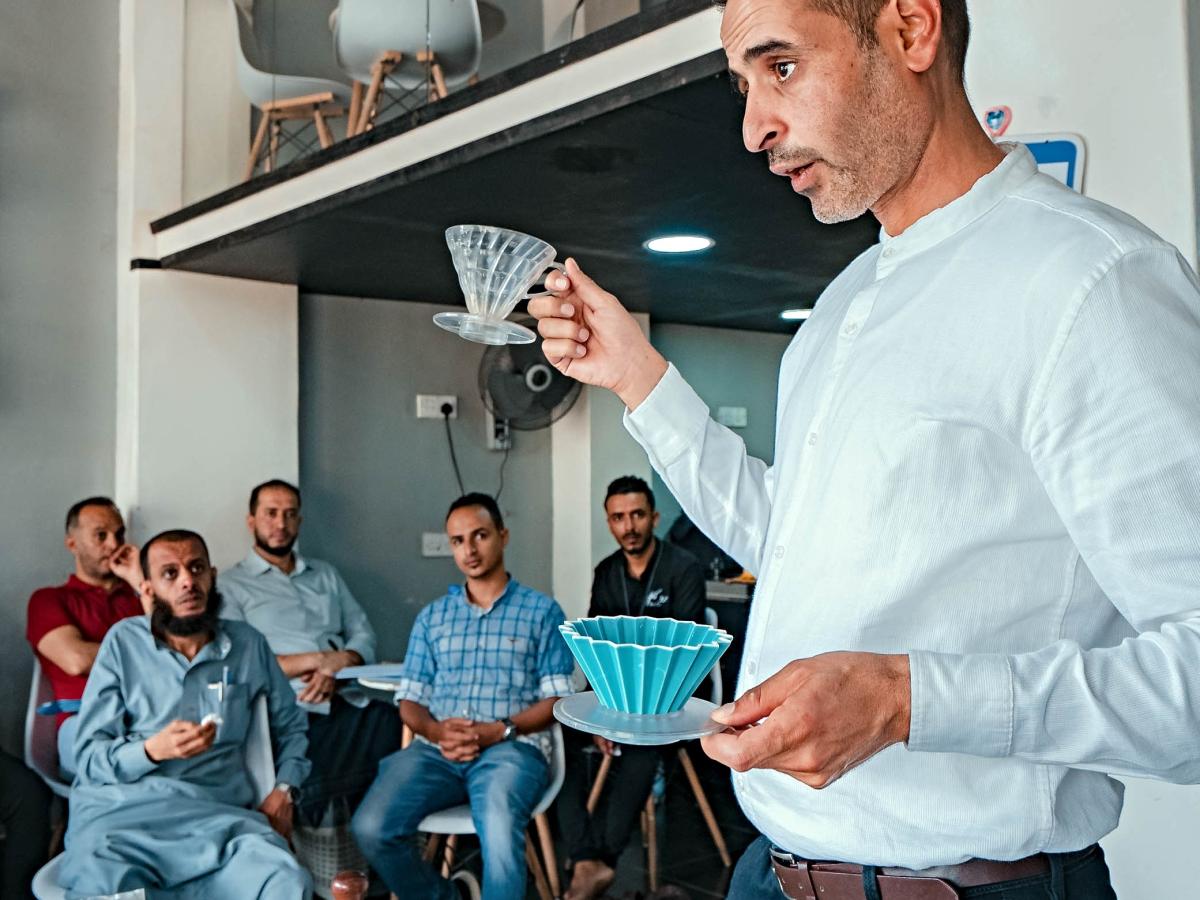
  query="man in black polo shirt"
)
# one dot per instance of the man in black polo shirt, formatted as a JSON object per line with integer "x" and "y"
{"x": 645, "y": 577}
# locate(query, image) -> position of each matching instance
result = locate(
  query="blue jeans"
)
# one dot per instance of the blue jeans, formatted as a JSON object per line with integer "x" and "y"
{"x": 1082, "y": 875}
{"x": 503, "y": 785}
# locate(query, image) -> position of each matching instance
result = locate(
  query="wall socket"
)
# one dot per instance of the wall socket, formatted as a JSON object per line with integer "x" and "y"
{"x": 429, "y": 406}
{"x": 435, "y": 543}
{"x": 498, "y": 434}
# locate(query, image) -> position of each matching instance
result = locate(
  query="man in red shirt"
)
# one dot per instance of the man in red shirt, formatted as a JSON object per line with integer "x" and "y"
{"x": 65, "y": 624}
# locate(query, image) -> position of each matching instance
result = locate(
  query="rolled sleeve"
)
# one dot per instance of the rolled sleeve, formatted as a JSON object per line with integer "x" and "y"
{"x": 961, "y": 703}
{"x": 420, "y": 668}
{"x": 360, "y": 636}
{"x": 555, "y": 663}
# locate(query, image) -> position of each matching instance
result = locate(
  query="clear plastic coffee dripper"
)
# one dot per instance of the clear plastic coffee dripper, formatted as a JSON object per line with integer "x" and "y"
{"x": 496, "y": 267}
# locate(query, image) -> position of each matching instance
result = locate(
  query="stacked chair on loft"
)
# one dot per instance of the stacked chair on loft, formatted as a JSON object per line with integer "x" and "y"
{"x": 302, "y": 85}
{"x": 409, "y": 51}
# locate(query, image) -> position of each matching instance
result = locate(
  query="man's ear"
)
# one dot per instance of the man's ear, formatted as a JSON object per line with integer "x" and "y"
{"x": 250, "y": 523}
{"x": 503, "y": 537}
{"x": 655, "y": 519}
{"x": 146, "y": 593}
{"x": 69, "y": 542}
{"x": 914, "y": 27}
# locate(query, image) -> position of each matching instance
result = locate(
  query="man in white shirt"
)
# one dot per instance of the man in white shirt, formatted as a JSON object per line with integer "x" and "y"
{"x": 316, "y": 628}
{"x": 976, "y": 546}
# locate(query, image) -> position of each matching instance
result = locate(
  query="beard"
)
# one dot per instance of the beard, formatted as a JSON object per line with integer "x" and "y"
{"x": 277, "y": 550}
{"x": 163, "y": 620}
{"x": 881, "y": 138}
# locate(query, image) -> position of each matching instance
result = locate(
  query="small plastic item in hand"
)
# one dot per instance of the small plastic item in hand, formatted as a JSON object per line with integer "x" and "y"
{"x": 349, "y": 885}
{"x": 212, "y": 718}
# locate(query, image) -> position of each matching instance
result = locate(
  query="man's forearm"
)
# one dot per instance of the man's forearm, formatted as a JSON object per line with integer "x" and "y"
{"x": 419, "y": 719}
{"x": 535, "y": 718}
{"x": 296, "y": 664}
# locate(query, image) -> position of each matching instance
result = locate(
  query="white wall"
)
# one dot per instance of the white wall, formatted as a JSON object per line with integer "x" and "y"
{"x": 1116, "y": 73}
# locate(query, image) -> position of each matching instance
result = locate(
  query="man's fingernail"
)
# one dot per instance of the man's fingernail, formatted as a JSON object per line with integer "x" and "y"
{"x": 584, "y": 334}
{"x": 579, "y": 351}
{"x": 723, "y": 713}
{"x": 568, "y": 309}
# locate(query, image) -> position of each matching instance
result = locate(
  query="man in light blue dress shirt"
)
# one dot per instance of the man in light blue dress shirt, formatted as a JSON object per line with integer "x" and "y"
{"x": 316, "y": 628}
{"x": 976, "y": 546}
{"x": 163, "y": 800}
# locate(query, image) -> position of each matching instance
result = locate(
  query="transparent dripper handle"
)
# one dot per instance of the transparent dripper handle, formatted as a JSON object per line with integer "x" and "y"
{"x": 549, "y": 265}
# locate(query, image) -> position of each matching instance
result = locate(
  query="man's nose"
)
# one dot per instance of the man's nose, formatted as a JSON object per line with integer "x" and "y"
{"x": 760, "y": 127}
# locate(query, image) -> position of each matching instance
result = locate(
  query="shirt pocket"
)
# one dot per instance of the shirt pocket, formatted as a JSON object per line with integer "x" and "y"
{"x": 515, "y": 660}
{"x": 232, "y": 708}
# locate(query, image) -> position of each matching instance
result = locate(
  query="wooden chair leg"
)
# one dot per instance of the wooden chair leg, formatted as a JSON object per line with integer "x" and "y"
{"x": 356, "y": 102}
{"x": 598, "y": 784}
{"x": 651, "y": 844}
{"x": 439, "y": 81}
{"x": 535, "y": 866}
{"x": 323, "y": 133}
{"x": 548, "y": 854}
{"x": 256, "y": 148}
{"x": 705, "y": 810}
{"x": 448, "y": 856}
{"x": 273, "y": 153}
{"x": 380, "y": 69}
{"x": 433, "y": 847}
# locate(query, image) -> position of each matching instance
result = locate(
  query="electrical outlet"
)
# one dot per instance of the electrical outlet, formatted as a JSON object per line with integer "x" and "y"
{"x": 429, "y": 406}
{"x": 732, "y": 416}
{"x": 498, "y": 435}
{"x": 435, "y": 543}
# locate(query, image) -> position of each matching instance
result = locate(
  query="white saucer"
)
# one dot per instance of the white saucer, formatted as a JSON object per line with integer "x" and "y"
{"x": 583, "y": 712}
{"x": 484, "y": 331}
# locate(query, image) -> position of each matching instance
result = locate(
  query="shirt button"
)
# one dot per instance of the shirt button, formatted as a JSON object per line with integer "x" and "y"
{"x": 887, "y": 251}
{"x": 752, "y": 668}
{"x": 779, "y": 552}
{"x": 851, "y": 329}
{"x": 812, "y": 439}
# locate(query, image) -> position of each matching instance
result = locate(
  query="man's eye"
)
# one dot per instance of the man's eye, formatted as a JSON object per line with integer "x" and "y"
{"x": 784, "y": 70}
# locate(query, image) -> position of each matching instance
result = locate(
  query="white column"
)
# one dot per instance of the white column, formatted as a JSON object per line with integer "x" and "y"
{"x": 207, "y": 367}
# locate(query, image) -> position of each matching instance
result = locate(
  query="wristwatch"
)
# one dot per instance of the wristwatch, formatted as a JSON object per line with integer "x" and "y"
{"x": 287, "y": 789}
{"x": 510, "y": 729}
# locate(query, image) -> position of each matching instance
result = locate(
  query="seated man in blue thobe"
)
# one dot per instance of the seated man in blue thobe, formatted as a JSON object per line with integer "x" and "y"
{"x": 163, "y": 800}
{"x": 485, "y": 664}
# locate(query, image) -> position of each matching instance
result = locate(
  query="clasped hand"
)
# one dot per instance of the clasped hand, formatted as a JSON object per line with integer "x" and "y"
{"x": 462, "y": 740}
{"x": 816, "y": 718}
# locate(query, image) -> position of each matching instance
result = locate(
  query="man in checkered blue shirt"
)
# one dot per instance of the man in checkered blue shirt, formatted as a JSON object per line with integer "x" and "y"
{"x": 485, "y": 664}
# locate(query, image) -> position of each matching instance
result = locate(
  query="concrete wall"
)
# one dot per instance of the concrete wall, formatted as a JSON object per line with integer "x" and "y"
{"x": 58, "y": 147}
{"x": 375, "y": 477}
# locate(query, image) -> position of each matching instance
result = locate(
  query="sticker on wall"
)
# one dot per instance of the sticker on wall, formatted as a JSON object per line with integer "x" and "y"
{"x": 997, "y": 119}
{"x": 1061, "y": 156}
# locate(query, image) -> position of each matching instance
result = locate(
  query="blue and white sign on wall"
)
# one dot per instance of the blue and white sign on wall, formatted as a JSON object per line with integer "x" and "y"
{"x": 1060, "y": 156}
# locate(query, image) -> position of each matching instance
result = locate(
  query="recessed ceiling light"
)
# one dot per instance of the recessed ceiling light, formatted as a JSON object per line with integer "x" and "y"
{"x": 795, "y": 315}
{"x": 679, "y": 243}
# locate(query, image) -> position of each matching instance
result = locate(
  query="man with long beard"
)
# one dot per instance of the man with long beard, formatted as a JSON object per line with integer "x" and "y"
{"x": 163, "y": 800}
{"x": 316, "y": 628}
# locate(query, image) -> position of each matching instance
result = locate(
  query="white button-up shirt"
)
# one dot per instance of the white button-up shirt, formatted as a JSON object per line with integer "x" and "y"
{"x": 987, "y": 457}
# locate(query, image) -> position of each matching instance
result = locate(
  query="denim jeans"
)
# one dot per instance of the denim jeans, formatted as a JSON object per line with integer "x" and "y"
{"x": 1082, "y": 875}
{"x": 503, "y": 785}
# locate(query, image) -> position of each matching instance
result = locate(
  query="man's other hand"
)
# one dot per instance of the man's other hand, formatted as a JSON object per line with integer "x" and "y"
{"x": 816, "y": 718}
{"x": 318, "y": 687}
{"x": 457, "y": 739}
{"x": 180, "y": 740}
{"x": 277, "y": 807}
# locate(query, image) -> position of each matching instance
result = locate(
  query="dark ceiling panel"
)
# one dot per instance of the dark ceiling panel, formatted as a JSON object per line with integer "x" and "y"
{"x": 596, "y": 189}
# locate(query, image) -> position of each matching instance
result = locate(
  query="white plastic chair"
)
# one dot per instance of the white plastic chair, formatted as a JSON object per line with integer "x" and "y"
{"x": 282, "y": 96}
{"x": 260, "y": 765}
{"x": 402, "y": 45}
{"x": 457, "y": 820}
{"x": 41, "y": 733}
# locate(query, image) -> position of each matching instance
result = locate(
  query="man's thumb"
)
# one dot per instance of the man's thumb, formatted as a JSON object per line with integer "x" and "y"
{"x": 746, "y": 710}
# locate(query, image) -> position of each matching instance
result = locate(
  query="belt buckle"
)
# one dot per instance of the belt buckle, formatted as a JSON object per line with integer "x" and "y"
{"x": 796, "y": 883}
{"x": 784, "y": 858}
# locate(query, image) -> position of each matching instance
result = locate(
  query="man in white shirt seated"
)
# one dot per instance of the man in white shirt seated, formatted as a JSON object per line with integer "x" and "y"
{"x": 315, "y": 628}
{"x": 163, "y": 800}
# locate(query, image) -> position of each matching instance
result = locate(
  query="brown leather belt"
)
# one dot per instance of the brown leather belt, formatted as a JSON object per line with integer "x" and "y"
{"x": 802, "y": 879}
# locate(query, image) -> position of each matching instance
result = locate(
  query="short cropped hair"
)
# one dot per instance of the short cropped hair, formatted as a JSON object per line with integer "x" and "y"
{"x": 630, "y": 484}
{"x": 273, "y": 483}
{"x": 173, "y": 536}
{"x": 860, "y": 16}
{"x": 77, "y": 508}
{"x": 487, "y": 501}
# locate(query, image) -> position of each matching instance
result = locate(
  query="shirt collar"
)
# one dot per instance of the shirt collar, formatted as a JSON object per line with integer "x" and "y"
{"x": 76, "y": 583}
{"x": 217, "y": 648}
{"x": 1017, "y": 167}
{"x": 460, "y": 590}
{"x": 256, "y": 565}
